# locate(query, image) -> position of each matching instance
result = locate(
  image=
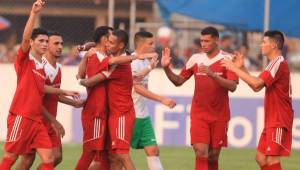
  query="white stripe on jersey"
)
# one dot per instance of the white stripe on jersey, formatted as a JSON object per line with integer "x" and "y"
{"x": 273, "y": 66}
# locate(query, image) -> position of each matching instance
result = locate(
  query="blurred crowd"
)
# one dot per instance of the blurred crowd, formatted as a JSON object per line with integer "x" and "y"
{"x": 228, "y": 43}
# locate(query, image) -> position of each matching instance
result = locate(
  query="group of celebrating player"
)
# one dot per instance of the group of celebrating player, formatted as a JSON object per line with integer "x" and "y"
{"x": 115, "y": 116}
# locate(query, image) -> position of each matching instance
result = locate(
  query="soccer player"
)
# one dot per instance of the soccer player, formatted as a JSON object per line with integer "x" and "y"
{"x": 50, "y": 101}
{"x": 276, "y": 137}
{"x": 210, "y": 106}
{"x": 25, "y": 128}
{"x": 143, "y": 133}
{"x": 95, "y": 112}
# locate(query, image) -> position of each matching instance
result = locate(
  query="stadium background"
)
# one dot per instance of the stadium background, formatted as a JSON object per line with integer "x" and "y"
{"x": 76, "y": 20}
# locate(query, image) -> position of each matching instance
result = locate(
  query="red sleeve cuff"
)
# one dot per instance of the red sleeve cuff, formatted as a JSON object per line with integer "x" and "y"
{"x": 266, "y": 77}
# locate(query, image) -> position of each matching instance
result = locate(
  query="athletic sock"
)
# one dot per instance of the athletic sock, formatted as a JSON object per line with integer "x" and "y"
{"x": 7, "y": 163}
{"x": 85, "y": 160}
{"x": 154, "y": 163}
{"x": 46, "y": 166}
{"x": 264, "y": 167}
{"x": 201, "y": 163}
{"x": 276, "y": 166}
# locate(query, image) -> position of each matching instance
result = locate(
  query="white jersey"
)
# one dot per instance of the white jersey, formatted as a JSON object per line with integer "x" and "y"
{"x": 141, "y": 110}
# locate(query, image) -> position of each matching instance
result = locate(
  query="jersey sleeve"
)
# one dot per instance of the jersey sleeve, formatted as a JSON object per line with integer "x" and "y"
{"x": 269, "y": 74}
{"x": 135, "y": 68}
{"x": 186, "y": 73}
{"x": 231, "y": 76}
{"x": 21, "y": 58}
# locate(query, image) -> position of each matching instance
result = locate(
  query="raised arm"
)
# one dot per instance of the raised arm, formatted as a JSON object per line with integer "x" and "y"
{"x": 36, "y": 8}
{"x": 255, "y": 83}
{"x": 177, "y": 80}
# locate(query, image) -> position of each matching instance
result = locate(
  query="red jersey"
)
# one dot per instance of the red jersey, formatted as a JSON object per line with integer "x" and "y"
{"x": 31, "y": 77}
{"x": 278, "y": 101}
{"x": 53, "y": 78}
{"x": 119, "y": 89}
{"x": 210, "y": 100}
{"x": 96, "y": 99}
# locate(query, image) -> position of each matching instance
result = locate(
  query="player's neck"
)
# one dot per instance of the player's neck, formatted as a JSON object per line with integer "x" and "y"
{"x": 139, "y": 51}
{"x": 213, "y": 53}
{"x": 36, "y": 55}
{"x": 100, "y": 48}
{"x": 274, "y": 54}
{"x": 51, "y": 59}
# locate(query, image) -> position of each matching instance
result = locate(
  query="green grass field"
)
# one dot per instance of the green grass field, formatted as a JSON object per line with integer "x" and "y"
{"x": 182, "y": 158}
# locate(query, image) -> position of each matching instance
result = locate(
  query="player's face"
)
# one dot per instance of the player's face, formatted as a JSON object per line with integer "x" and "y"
{"x": 104, "y": 42}
{"x": 55, "y": 45}
{"x": 267, "y": 46}
{"x": 208, "y": 43}
{"x": 40, "y": 44}
{"x": 148, "y": 45}
{"x": 114, "y": 45}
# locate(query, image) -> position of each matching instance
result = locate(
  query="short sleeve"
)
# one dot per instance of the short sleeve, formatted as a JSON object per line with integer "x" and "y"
{"x": 187, "y": 73}
{"x": 21, "y": 58}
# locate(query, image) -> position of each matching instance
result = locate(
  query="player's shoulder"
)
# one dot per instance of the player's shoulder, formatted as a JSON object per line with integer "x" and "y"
{"x": 194, "y": 59}
{"x": 224, "y": 54}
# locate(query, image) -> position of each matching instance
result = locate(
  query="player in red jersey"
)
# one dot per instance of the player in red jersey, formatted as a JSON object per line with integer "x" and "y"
{"x": 26, "y": 131}
{"x": 210, "y": 106}
{"x": 50, "y": 101}
{"x": 95, "y": 112}
{"x": 276, "y": 138}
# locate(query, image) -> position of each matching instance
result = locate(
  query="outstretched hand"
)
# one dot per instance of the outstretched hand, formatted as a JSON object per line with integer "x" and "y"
{"x": 38, "y": 6}
{"x": 166, "y": 57}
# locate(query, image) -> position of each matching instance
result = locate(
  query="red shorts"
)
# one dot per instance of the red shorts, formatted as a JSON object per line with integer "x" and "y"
{"x": 120, "y": 131}
{"x": 213, "y": 133}
{"x": 25, "y": 135}
{"x": 275, "y": 142}
{"x": 55, "y": 139}
{"x": 94, "y": 132}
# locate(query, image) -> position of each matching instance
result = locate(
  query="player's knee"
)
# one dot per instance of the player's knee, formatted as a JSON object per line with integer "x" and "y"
{"x": 272, "y": 160}
{"x": 123, "y": 157}
{"x": 260, "y": 160}
{"x": 154, "y": 151}
{"x": 47, "y": 158}
{"x": 202, "y": 152}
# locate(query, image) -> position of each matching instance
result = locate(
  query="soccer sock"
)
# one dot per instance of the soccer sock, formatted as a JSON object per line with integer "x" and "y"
{"x": 154, "y": 163}
{"x": 7, "y": 163}
{"x": 213, "y": 165}
{"x": 276, "y": 166}
{"x": 46, "y": 166}
{"x": 265, "y": 167}
{"x": 104, "y": 160}
{"x": 85, "y": 160}
{"x": 201, "y": 163}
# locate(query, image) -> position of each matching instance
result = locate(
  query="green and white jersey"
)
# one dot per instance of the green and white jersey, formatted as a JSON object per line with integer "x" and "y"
{"x": 141, "y": 110}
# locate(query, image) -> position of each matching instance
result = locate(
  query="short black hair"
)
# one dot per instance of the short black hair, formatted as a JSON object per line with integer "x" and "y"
{"x": 210, "y": 31}
{"x": 141, "y": 35}
{"x": 38, "y": 31}
{"x": 122, "y": 36}
{"x": 277, "y": 36}
{"x": 100, "y": 32}
{"x": 54, "y": 33}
